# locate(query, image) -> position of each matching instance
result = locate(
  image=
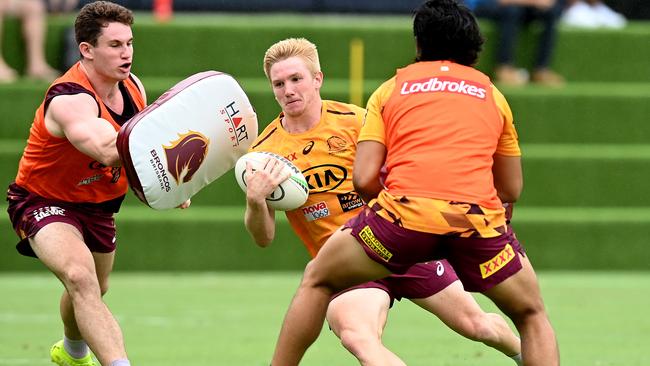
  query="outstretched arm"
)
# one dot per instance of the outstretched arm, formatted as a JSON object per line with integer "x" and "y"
{"x": 75, "y": 118}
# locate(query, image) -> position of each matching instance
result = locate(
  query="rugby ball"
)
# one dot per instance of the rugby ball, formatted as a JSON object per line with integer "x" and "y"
{"x": 290, "y": 194}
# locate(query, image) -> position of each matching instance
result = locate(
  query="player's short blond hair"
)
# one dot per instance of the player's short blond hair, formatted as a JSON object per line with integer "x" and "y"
{"x": 292, "y": 47}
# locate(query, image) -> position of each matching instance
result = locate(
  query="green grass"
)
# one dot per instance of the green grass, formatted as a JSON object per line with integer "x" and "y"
{"x": 233, "y": 319}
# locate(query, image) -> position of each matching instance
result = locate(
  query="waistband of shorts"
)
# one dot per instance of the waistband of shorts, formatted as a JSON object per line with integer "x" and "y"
{"x": 106, "y": 207}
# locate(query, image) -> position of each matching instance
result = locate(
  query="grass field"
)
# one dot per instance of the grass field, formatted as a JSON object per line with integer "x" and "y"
{"x": 230, "y": 318}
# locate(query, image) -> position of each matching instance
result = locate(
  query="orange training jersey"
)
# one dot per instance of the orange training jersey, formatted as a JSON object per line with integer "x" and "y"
{"x": 325, "y": 155}
{"x": 441, "y": 123}
{"x": 53, "y": 168}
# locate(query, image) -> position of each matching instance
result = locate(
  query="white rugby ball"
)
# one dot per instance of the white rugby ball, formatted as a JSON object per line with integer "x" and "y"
{"x": 290, "y": 194}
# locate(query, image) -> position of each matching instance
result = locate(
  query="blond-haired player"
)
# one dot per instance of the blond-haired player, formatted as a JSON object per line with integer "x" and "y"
{"x": 319, "y": 136}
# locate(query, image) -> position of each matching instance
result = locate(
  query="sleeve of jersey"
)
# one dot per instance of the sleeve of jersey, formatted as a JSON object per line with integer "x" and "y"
{"x": 509, "y": 140}
{"x": 373, "y": 128}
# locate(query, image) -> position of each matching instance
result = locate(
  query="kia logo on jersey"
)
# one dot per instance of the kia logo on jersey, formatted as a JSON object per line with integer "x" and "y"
{"x": 324, "y": 178}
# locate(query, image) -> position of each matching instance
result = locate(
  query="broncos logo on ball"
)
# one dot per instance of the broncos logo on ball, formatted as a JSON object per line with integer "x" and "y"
{"x": 185, "y": 155}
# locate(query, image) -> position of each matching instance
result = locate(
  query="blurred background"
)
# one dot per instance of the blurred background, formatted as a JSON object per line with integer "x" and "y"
{"x": 585, "y": 139}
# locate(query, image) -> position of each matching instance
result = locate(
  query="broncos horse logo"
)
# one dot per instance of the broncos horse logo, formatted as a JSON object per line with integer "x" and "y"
{"x": 185, "y": 155}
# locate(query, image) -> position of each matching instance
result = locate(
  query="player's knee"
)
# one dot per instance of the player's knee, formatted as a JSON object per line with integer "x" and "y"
{"x": 78, "y": 279}
{"x": 528, "y": 312}
{"x": 313, "y": 277}
{"x": 480, "y": 328}
{"x": 358, "y": 343}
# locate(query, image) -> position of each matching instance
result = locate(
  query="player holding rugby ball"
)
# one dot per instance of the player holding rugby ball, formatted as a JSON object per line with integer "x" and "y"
{"x": 447, "y": 140}
{"x": 319, "y": 137}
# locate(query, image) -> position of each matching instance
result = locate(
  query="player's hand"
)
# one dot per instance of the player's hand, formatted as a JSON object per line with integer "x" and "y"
{"x": 262, "y": 182}
{"x": 185, "y": 204}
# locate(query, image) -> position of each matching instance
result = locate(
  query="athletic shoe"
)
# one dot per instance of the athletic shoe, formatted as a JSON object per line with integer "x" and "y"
{"x": 580, "y": 15}
{"x": 511, "y": 76}
{"x": 548, "y": 77}
{"x": 62, "y": 358}
{"x": 609, "y": 18}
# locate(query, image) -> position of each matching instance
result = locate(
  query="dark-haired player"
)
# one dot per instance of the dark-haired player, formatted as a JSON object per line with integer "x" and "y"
{"x": 447, "y": 140}
{"x": 319, "y": 136}
{"x": 69, "y": 182}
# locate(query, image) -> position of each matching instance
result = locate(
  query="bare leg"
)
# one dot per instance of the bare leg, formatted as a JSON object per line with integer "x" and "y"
{"x": 358, "y": 318}
{"x": 103, "y": 266}
{"x": 520, "y": 299}
{"x": 459, "y": 311}
{"x": 7, "y": 74}
{"x": 341, "y": 263}
{"x": 60, "y": 247}
{"x": 34, "y": 23}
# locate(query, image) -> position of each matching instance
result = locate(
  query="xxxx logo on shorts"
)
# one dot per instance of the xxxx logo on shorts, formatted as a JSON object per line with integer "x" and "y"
{"x": 185, "y": 155}
{"x": 499, "y": 261}
{"x": 369, "y": 239}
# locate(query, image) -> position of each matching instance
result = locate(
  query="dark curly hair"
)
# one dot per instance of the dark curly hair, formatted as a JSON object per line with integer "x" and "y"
{"x": 447, "y": 30}
{"x": 95, "y": 16}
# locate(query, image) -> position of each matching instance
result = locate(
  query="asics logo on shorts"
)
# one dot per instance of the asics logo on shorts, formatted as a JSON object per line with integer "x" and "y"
{"x": 499, "y": 261}
{"x": 440, "y": 269}
{"x": 47, "y": 211}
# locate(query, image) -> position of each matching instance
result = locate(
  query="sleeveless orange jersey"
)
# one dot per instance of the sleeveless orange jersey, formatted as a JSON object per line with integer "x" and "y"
{"x": 441, "y": 123}
{"x": 53, "y": 168}
{"x": 325, "y": 155}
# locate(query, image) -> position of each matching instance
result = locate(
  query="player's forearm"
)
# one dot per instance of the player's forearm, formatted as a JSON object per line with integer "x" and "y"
{"x": 508, "y": 177}
{"x": 369, "y": 190}
{"x": 260, "y": 223}
{"x": 108, "y": 153}
{"x": 98, "y": 142}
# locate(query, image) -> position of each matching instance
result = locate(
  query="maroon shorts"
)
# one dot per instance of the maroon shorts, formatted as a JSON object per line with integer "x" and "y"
{"x": 480, "y": 263}
{"x": 420, "y": 281}
{"x": 29, "y": 213}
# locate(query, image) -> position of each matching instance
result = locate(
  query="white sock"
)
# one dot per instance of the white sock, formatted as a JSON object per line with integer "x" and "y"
{"x": 121, "y": 363}
{"x": 518, "y": 360}
{"x": 75, "y": 348}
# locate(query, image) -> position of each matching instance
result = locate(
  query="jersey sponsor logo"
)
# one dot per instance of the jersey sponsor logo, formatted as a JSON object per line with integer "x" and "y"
{"x": 89, "y": 180}
{"x": 369, "y": 239}
{"x": 444, "y": 85}
{"x": 336, "y": 144}
{"x": 115, "y": 172}
{"x": 291, "y": 157}
{"x": 47, "y": 211}
{"x": 316, "y": 211}
{"x": 234, "y": 126}
{"x": 185, "y": 155}
{"x": 307, "y": 149}
{"x": 499, "y": 261}
{"x": 349, "y": 201}
{"x": 325, "y": 177}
